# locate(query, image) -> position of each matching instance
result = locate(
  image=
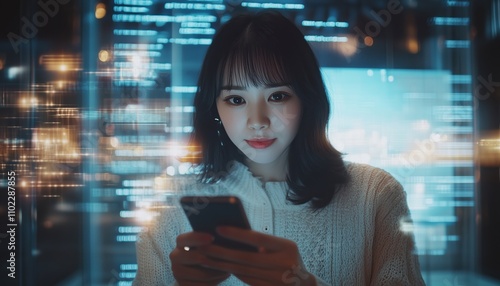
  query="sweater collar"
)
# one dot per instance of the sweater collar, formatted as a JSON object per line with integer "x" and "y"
{"x": 239, "y": 172}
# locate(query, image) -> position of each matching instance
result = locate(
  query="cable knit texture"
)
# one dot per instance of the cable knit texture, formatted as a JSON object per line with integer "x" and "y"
{"x": 356, "y": 240}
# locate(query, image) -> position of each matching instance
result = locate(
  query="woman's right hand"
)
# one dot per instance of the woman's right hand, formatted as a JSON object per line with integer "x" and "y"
{"x": 187, "y": 265}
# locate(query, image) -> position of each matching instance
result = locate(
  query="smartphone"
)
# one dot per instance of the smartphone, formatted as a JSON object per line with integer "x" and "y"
{"x": 206, "y": 213}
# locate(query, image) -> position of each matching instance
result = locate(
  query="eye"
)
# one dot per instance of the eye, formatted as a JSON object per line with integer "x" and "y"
{"x": 234, "y": 100}
{"x": 279, "y": 96}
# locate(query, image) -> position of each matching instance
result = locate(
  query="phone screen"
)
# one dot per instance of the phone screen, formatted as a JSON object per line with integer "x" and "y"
{"x": 205, "y": 214}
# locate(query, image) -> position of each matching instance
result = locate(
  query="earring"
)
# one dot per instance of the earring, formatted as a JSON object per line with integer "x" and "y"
{"x": 219, "y": 127}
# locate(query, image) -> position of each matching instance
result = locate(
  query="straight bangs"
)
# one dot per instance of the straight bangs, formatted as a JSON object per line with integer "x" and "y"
{"x": 252, "y": 64}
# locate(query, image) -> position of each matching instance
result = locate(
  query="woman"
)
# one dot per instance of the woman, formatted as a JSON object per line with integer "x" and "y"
{"x": 261, "y": 115}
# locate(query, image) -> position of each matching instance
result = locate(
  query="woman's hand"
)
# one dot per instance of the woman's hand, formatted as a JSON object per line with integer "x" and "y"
{"x": 188, "y": 262}
{"x": 277, "y": 262}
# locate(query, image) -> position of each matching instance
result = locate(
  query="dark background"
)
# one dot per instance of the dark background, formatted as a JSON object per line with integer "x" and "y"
{"x": 51, "y": 245}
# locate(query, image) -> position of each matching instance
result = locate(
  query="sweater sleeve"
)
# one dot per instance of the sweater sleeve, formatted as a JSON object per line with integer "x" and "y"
{"x": 154, "y": 243}
{"x": 153, "y": 247}
{"x": 394, "y": 260}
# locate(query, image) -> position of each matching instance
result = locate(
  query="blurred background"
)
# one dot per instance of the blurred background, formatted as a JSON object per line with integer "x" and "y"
{"x": 96, "y": 107}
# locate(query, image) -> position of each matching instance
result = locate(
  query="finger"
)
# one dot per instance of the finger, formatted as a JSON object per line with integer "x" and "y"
{"x": 187, "y": 267}
{"x": 198, "y": 274}
{"x": 268, "y": 261}
{"x": 287, "y": 277}
{"x": 267, "y": 274}
{"x": 249, "y": 280}
{"x": 257, "y": 239}
{"x": 180, "y": 256}
{"x": 196, "y": 283}
{"x": 195, "y": 273}
{"x": 204, "y": 282}
{"x": 260, "y": 260}
{"x": 194, "y": 239}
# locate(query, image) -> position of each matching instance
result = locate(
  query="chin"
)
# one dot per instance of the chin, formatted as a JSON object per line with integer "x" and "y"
{"x": 262, "y": 157}
{"x": 263, "y": 161}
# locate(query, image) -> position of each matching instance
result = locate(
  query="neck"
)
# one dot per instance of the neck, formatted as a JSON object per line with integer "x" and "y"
{"x": 275, "y": 171}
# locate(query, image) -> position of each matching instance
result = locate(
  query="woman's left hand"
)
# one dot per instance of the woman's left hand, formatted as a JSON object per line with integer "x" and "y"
{"x": 277, "y": 262}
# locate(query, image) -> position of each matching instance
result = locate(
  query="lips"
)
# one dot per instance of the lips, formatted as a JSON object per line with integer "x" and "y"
{"x": 260, "y": 143}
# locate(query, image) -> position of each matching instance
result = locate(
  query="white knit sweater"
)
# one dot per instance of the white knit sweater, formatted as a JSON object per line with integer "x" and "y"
{"x": 356, "y": 240}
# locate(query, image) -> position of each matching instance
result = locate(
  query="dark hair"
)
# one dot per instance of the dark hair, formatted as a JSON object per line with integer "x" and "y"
{"x": 267, "y": 48}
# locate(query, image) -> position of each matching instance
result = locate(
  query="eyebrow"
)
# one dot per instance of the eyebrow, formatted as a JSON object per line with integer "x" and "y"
{"x": 237, "y": 87}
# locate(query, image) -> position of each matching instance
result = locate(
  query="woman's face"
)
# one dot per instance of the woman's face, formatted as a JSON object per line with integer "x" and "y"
{"x": 261, "y": 121}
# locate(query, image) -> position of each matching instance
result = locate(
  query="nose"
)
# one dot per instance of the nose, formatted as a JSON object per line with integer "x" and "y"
{"x": 257, "y": 117}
